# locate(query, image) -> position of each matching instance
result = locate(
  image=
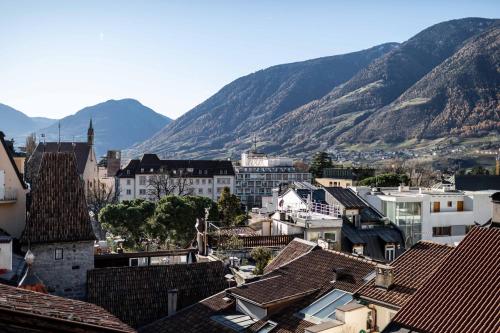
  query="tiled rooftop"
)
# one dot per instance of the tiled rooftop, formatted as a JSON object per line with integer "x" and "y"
{"x": 295, "y": 249}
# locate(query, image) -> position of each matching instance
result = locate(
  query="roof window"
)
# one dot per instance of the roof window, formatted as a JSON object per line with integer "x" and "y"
{"x": 324, "y": 309}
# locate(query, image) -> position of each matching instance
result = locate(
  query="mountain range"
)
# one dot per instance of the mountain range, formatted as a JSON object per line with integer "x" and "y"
{"x": 442, "y": 82}
{"x": 118, "y": 124}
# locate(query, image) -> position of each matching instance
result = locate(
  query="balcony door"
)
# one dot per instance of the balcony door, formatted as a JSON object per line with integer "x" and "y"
{"x": 460, "y": 206}
{"x": 436, "y": 207}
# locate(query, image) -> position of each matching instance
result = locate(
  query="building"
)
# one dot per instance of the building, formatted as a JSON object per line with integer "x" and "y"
{"x": 58, "y": 229}
{"x": 141, "y": 295}
{"x": 151, "y": 177}
{"x": 303, "y": 292}
{"x": 13, "y": 191}
{"x": 462, "y": 294}
{"x": 29, "y": 311}
{"x": 86, "y": 161}
{"x": 258, "y": 174}
{"x": 343, "y": 177}
{"x": 426, "y": 214}
{"x": 365, "y": 231}
{"x": 477, "y": 182}
{"x": 107, "y": 168}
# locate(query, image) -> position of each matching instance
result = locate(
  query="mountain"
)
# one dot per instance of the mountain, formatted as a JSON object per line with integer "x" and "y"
{"x": 17, "y": 125}
{"x": 255, "y": 101}
{"x": 443, "y": 80}
{"x": 117, "y": 124}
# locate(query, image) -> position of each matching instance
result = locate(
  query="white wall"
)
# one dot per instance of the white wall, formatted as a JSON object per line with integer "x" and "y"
{"x": 6, "y": 255}
{"x": 250, "y": 309}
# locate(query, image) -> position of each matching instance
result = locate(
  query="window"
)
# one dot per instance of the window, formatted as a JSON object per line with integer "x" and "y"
{"x": 142, "y": 180}
{"x": 460, "y": 206}
{"x": 237, "y": 322}
{"x": 449, "y": 204}
{"x": 436, "y": 206}
{"x": 330, "y": 236}
{"x": 129, "y": 181}
{"x": 209, "y": 190}
{"x": 390, "y": 252}
{"x": 210, "y": 181}
{"x": 58, "y": 254}
{"x": 142, "y": 191}
{"x": 138, "y": 262}
{"x": 200, "y": 191}
{"x": 268, "y": 327}
{"x": 203, "y": 181}
{"x": 129, "y": 192}
{"x": 441, "y": 231}
{"x": 151, "y": 170}
{"x": 357, "y": 249}
{"x": 197, "y": 182}
{"x": 142, "y": 169}
{"x": 324, "y": 308}
{"x": 128, "y": 172}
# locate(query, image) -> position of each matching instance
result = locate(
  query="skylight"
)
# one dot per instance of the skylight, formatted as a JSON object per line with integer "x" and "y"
{"x": 324, "y": 308}
{"x": 237, "y": 322}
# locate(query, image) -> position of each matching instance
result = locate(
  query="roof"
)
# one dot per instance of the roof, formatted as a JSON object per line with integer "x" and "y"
{"x": 81, "y": 151}
{"x": 58, "y": 210}
{"x": 477, "y": 182}
{"x": 311, "y": 274}
{"x": 318, "y": 195}
{"x": 346, "y": 197}
{"x": 296, "y": 248}
{"x": 200, "y": 168}
{"x": 8, "y": 151}
{"x": 44, "y": 309}
{"x": 411, "y": 271}
{"x": 139, "y": 295}
{"x": 236, "y": 231}
{"x": 373, "y": 239}
{"x": 348, "y": 173}
{"x": 463, "y": 293}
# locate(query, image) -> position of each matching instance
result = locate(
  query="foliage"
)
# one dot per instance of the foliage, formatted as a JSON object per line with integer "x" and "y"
{"x": 261, "y": 255}
{"x": 232, "y": 243}
{"x": 321, "y": 160}
{"x": 478, "y": 170}
{"x": 241, "y": 219}
{"x": 386, "y": 179}
{"x": 128, "y": 220}
{"x": 98, "y": 197}
{"x": 229, "y": 207}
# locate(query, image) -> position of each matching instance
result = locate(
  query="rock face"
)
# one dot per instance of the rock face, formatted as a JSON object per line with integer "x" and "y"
{"x": 443, "y": 80}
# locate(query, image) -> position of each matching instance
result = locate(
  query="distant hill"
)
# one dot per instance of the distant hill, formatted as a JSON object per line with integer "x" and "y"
{"x": 17, "y": 125}
{"x": 118, "y": 124}
{"x": 443, "y": 81}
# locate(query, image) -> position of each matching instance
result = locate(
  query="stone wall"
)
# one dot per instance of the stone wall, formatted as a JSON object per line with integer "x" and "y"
{"x": 65, "y": 277}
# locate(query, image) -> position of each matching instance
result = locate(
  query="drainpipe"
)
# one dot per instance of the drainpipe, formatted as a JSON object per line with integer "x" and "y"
{"x": 373, "y": 323}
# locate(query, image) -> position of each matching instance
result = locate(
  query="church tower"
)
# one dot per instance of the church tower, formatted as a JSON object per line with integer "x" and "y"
{"x": 90, "y": 134}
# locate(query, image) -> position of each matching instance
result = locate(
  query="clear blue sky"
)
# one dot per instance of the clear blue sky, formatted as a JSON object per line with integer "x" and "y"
{"x": 57, "y": 57}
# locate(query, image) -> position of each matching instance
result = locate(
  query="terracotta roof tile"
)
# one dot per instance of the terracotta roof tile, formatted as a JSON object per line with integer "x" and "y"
{"x": 463, "y": 295}
{"x": 58, "y": 211}
{"x": 411, "y": 270}
{"x": 295, "y": 249}
{"x": 30, "y": 303}
{"x": 139, "y": 295}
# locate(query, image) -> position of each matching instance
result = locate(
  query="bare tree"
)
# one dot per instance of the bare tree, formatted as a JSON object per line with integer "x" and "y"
{"x": 164, "y": 183}
{"x": 99, "y": 196}
{"x": 30, "y": 144}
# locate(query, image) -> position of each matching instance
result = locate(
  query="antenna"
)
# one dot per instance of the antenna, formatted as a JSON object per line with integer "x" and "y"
{"x": 59, "y": 128}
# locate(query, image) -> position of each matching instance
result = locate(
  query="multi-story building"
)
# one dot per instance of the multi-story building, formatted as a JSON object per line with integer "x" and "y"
{"x": 258, "y": 174}
{"x": 150, "y": 177}
{"x": 344, "y": 177}
{"x": 425, "y": 214}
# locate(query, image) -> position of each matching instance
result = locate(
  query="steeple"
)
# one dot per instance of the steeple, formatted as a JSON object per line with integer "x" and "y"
{"x": 90, "y": 134}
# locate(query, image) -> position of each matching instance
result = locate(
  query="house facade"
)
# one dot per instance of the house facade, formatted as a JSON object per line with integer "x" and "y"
{"x": 257, "y": 174}
{"x": 150, "y": 176}
{"x": 13, "y": 192}
{"x": 58, "y": 230}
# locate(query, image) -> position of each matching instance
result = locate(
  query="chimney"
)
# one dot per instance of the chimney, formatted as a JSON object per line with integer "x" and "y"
{"x": 495, "y": 214}
{"x": 384, "y": 277}
{"x": 172, "y": 301}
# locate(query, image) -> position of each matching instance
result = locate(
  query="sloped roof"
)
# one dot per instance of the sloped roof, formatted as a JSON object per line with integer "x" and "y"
{"x": 58, "y": 210}
{"x": 463, "y": 293}
{"x": 37, "y": 309}
{"x": 346, "y": 197}
{"x": 411, "y": 271}
{"x": 139, "y": 295}
{"x": 81, "y": 150}
{"x": 296, "y": 248}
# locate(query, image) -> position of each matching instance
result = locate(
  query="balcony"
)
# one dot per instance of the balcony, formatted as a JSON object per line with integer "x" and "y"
{"x": 7, "y": 195}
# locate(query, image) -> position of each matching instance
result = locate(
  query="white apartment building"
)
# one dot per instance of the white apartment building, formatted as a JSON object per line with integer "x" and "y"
{"x": 205, "y": 178}
{"x": 428, "y": 214}
{"x": 258, "y": 174}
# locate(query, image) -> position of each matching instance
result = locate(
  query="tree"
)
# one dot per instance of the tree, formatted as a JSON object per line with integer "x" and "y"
{"x": 321, "y": 160}
{"x": 30, "y": 145}
{"x": 478, "y": 170}
{"x": 229, "y": 207}
{"x": 128, "y": 219}
{"x": 261, "y": 255}
{"x": 163, "y": 184}
{"x": 385, "y": 180}
{"x": 98, "y": 197}
{"x": 175, "y": 217}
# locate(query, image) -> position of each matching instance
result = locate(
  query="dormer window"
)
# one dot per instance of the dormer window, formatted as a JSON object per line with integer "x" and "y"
{"x": 142, "y": 169}
{"x": 390, "y": 252}
{"x": 59, "y": 254}
{"x": 206, "y": 172}
{"x": 128, "y": 172}
{"x": 151, "y": 170}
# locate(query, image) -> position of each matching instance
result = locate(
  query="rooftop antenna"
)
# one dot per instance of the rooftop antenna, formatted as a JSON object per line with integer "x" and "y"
{"x": 255, "y": 143}
{"x": 59, "y": 129}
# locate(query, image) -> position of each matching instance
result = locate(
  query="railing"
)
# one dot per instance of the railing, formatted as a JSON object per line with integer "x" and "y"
{"x": 256, "y": 241}
{"x": 325, "y": 209}
{"x": 8, "y": 194}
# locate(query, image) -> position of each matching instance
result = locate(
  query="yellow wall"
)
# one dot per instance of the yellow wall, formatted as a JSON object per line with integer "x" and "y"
{"x": 330, "y": 182}
{"x": 12, "y": 214}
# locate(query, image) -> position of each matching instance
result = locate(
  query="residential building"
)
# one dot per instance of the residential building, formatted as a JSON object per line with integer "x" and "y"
{"x": 13, "y": 192}
{"x": 207, "y": 178}
{"x": 302, "y": 293}
{"x": 141, "y": 295}
{"x": 427, "y": 214}
{"x": 477, "y": 182}
{"x": 365, "y": 231}
{"x": 146, "y": 258}
{"x": 257, "y": 174}
{"x": 343, "y": 177}
{"x": 86, "y": 161}
{"x": 107, "y": 168}
{"x": 58, "y": 230}
{"x": 30, "y": 311}
{"x": 462, "y": 294}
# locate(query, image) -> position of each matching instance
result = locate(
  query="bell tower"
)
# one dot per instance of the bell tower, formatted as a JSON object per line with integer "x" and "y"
{"x": 90, "y": 134}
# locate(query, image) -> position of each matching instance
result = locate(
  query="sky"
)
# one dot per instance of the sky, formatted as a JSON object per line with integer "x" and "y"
{"x": 57, "y": 57}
